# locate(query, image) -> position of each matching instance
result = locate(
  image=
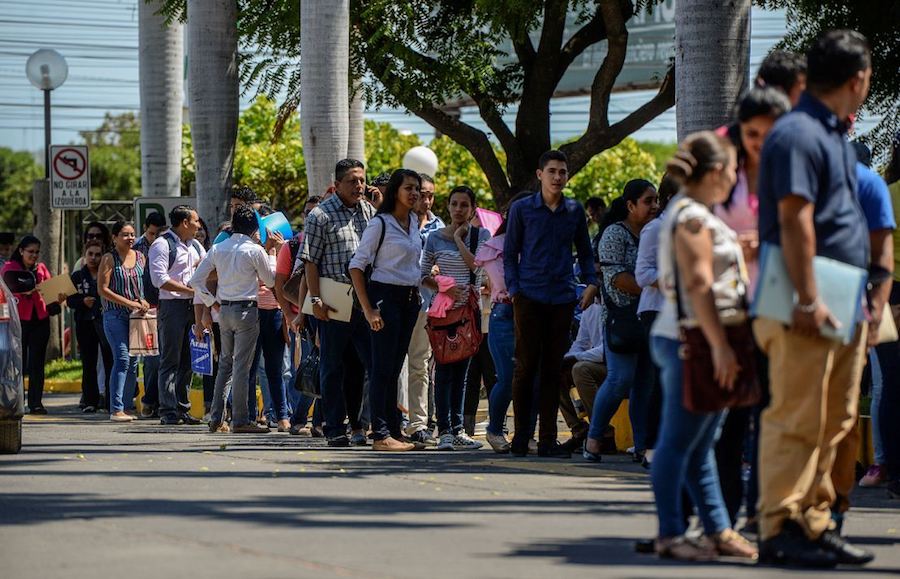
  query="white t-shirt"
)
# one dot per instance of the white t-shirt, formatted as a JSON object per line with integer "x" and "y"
{"x": 729, "y": 272}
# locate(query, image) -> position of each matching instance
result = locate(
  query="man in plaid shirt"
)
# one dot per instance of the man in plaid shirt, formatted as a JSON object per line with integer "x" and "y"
{"x": 331, "y": 235}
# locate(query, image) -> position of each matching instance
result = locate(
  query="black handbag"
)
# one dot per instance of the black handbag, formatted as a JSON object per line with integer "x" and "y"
{"x": 307, "y": 378}
{"x": 623, "y": 329}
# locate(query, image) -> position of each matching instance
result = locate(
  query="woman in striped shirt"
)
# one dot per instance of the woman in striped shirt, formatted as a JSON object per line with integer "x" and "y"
{"x": 448, "y": 249}
{"x": 121, "y": 287}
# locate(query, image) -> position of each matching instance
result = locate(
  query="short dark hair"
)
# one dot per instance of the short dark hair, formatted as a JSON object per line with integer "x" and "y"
{"x": 92, "y": 243}
{"x": 244, "y": 194}
{"x": 552, "y": 155}
{"x": 343, "y": 167}
{"x": 265, "y": 209}
{"x": 179, "y": 213}
{"x": 426, "y": 178}
{"x": 156, "y": 219}
{"x": 595, "y": 203}
{"x": 104, "y": 230}
{"x": 243, "y": 220}
{"x": 762, "y": 101}
{"x": 863, "y": 153}
{"x": 836, "y": 57}
{"x": 781, "y": 69}
{"x": 892, "y": 172}
{"x": 463, "y": 189}
{"x": 393, "y": 187}
{"x": 118, "y": 226}
{"x": 382, "y": 179}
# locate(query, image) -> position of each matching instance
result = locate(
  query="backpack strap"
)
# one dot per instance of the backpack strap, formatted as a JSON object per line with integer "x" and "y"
{"x": 473, "y": 247}
{"x": 380, "y": 239}
{"x": 173, "y": 246}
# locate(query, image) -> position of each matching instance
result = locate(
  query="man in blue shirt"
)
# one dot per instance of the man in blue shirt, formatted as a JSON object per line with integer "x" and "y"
{"x": 808, "y": 206}
{"x": 537, "y": 262}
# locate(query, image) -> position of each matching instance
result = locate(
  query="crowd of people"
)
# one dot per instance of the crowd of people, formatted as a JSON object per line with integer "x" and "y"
{"x": 655, "y": 308}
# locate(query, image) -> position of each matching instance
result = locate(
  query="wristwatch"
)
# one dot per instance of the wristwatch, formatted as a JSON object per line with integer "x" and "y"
{"x": 315, "y": 300}
{"x": 810, "y": 307}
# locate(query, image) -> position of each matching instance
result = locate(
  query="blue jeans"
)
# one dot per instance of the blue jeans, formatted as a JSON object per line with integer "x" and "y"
{"x": 344, "y": 353}
{"x": 123, "y": 378}
{"x": 874, "y": 412}
{"x": 502, "y": 344}
{"x": 449, "y": 394}
{"x": 684, "y": 456}
{"x": 399, "y": 311}
{"x": 270, "y": 346}
{"x": 628, "y": 375}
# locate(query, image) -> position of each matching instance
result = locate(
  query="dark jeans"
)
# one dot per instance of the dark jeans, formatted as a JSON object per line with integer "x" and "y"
{"x": 301, "y": 410}
{"x": 174, "y": 326}
{"x": 449, "y": 394}
{"x": 762, "y": 365}
{"x": 542, "y": 332}
{"x": 654, "y": 400}
{"x": 481, "y": 369}
{"x": 399, "y": 310}
{"x": 344, "y": 348}
{"x": 270, "y": 344}
{"x": 35, "y": 337}
{"x": 91, "y": 338}
{"x": 889, "y": 359}
{"x": 209, "y": 382}
{"x": 730, "y": 459}
{"x": 151, "y": 382}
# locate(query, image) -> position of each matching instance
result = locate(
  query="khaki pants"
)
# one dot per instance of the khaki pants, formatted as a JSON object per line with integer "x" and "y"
{"x": 416, "y": 394}
{"x": 814, "y": 385}
{"x": 588, "y": 376}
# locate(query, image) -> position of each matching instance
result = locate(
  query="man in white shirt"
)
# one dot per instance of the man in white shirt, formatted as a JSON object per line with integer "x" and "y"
{"x": 585, "y": 357}
{"x": 240, "y": 263}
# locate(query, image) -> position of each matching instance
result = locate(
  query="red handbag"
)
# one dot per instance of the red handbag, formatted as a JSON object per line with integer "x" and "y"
{"x": 457, "y": 336}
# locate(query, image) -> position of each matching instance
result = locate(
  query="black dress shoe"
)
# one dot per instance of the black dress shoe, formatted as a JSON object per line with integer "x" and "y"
{"x": 518, "y": 447}
{"x": 171, "y": 420}
{"x": 188, "y": 419}
{"x": 846, "y": 553}
{"x": 341, "y": 441}
{"x": 574, "y": 444}
{"x": 791, "y": 548}
{"x": 553, "y": 450}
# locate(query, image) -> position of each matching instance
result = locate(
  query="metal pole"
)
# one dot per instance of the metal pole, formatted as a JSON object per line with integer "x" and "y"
{"x": 47, "y": 158}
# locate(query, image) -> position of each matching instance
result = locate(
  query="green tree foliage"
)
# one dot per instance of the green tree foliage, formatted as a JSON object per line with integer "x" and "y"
{"x": 115, "y": 157}
{"x": 879, "y": 21}
{"x": 18, "y": 171}
{"x": 606, "y": 174}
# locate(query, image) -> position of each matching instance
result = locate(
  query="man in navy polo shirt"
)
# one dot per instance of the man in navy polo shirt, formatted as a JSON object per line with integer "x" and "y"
{"x": 537, "y": 263}
{"x": 808, "y": 206}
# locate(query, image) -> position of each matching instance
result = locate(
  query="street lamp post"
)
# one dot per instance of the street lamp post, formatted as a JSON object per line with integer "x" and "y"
{"x": 47, "y": 70}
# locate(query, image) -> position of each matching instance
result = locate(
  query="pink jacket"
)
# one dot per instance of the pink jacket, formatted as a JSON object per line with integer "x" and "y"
{"x": 490, "y": 257}
{"x": 443, "y": 302}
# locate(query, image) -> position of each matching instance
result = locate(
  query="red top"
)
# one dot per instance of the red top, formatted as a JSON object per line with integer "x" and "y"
{"x": 33, "y": 302}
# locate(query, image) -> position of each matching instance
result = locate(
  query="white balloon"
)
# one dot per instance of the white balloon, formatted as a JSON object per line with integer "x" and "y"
{"x": 421, "y": 160}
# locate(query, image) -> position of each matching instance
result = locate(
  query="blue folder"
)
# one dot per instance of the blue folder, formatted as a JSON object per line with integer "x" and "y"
{"x": 840, "y": 286}
{"x": 202, "y": 354}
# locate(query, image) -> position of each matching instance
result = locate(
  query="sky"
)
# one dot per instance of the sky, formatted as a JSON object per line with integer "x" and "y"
{"x": 99, "y": 40}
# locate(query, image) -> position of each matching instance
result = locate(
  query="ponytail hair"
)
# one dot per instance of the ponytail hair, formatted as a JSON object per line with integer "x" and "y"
{"x": 697, "y": 155}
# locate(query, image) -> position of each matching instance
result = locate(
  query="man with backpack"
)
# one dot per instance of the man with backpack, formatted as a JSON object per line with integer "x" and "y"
{"x": 174, "y": 258}
{"x": 154, "y": 226}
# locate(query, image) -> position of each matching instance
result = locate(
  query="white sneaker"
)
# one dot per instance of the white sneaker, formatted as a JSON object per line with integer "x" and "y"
{"x": 532, "y": 446}
{"x": 498, "y": 442}
{"x": 445, "y": 442}
{"x": 463, "y": 442}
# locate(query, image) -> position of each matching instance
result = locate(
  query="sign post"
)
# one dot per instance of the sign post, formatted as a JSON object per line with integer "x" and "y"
{"x": 70, "y": 177}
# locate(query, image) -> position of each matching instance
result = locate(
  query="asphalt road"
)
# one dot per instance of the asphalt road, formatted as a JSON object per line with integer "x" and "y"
{"x": 89, "y": 498}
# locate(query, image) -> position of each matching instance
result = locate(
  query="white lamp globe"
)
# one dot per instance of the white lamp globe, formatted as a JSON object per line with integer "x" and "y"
{"x": 421, "y": 160}
{"x": 47, "y": 69}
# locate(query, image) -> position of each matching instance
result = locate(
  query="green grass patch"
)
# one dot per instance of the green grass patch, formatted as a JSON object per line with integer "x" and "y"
{"x": 63, "y": 370}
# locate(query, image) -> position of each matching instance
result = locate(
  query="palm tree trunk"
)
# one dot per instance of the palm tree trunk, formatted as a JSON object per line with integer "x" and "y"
{"x": 356, "y": 142}
{"x": 712, "y": 61}
{"x": 161, "y": 54}
{"x": 213, "y": 94}
{"x": 324, "y": 88}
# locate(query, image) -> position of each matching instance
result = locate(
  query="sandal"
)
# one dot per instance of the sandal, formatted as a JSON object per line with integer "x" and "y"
{"x": 730, "y": 543}
{"x": 589, "y": 456}
{"x": 683, "y": 549}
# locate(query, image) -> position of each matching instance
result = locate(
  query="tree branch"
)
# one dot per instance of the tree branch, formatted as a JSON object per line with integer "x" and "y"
{"x": 591, "y": 33}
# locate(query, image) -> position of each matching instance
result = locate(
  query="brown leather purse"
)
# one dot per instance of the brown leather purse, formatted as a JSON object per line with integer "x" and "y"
{"x": 457, "y": 336}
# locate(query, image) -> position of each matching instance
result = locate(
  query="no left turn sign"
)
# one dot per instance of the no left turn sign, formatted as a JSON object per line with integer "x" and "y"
{"x": 70, "y": 177}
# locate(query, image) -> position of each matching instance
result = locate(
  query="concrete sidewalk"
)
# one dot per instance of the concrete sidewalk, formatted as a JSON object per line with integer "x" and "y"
{"x": 89, "y": 498}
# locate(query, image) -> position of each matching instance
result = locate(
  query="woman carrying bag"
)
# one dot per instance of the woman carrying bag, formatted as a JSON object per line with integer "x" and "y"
{"x": 89, "y": 325}
{"x": 626, "y": 351}
{"x": 121, "y": 287}
{"x": 391, "y": 247}
{"x": 452, "y": 249}
{"x": 35, "y": 316}
{"x": 703, "y": 345}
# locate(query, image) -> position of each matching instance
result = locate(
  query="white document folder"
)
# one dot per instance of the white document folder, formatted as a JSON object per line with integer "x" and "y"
{"x": 840, "y": 286}
{"x": 335, "y": 294}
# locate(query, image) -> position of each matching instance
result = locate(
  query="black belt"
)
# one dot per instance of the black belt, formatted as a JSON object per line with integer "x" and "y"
{"x": 243, "y": 303}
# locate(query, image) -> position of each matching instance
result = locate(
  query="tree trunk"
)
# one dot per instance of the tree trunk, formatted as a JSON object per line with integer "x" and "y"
{"x": 161, "y": 54}
{"x": 356, "y": 141}
{"x": 213, "y": 94}
{"x": 712, "y": 61}
{"x": 324, "y": 88}
{"x": 47, "y": 228}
